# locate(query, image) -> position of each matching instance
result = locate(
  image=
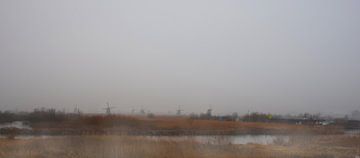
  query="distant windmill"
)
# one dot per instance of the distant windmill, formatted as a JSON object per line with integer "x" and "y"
{"x": 208, "y": 112}
{"x": 77, "y": 110}
{"x": 142, "y": 111}
{"x": 178, "y": 111}
{"x": 108, "y": 108}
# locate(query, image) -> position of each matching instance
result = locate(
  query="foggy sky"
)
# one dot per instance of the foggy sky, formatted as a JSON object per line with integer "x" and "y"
{"x": 230, "y": 55}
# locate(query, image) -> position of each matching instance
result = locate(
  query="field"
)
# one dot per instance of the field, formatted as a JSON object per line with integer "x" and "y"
{"x": 330, "y": 146}
{"x": 165, "y": 125}
{"x": 120, "y": 136}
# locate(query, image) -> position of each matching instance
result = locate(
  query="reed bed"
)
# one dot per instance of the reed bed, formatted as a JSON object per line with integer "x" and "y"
{"x": 142, "y": 147}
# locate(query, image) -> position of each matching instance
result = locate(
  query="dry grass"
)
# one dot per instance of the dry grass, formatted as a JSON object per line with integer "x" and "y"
{"x": 180, "y": 124}
{"x": 141, "y": 147}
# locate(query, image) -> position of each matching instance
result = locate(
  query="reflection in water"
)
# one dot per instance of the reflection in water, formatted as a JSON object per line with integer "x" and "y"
{"x": 352, "y": 132}
{"x": 219, "y": 139}
{"x": 16, "y": 124}
{"x": 225, "y": 139}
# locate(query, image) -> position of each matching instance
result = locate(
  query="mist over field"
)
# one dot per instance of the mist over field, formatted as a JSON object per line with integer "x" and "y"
{"x": 267, "y": 56}
{"x": 179, "y": 79}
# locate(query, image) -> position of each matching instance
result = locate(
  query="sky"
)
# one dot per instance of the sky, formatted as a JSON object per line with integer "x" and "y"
{"x": 275, "y": 56}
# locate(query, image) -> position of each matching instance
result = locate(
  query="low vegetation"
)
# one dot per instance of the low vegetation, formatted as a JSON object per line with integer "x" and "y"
{"x": 53, "y": 122}
{"x": 171, "y": 126}
{"x": 142, "y": 147}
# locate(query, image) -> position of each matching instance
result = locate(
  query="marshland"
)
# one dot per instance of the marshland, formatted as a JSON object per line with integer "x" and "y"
{"x": 54, "y": 134}
{"x": 179, "y": 79}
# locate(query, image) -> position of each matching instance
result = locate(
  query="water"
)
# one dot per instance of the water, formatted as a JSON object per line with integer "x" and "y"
{"x": 226, "y": 139}
{"x": 218, "y": 139}
{"x": 16, "y": 124}
{"x": 352, "y": 132}
{"x": 221, "y": 139}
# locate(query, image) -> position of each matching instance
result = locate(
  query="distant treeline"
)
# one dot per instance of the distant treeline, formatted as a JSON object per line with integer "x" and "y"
{"x": 51, "y": 121}
{"x": 53, "y": 115}
{"x": 38, "y": 115}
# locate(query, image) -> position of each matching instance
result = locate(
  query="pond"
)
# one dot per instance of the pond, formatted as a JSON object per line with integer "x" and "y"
{"x": 15, "y": 124}
{"x": 226, "y": 139}
{"x": 206, "y": 139}
{"x": 352, "y": 132}
{"x": 219, "y": 139}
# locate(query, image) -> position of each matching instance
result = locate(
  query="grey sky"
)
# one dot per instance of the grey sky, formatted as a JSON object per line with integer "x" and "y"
{"x": 268, "y": 56}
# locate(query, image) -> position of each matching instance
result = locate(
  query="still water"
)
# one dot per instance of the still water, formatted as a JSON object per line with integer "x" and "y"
{"x": 218, "y": 139}
{"x": 16, "y": 124}
{"x": 226, "y": 139}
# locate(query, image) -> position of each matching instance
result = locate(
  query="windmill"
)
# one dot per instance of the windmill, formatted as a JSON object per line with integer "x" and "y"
{"x": 108, "y": 108}
{"x": 133, "y": 111}
{"x": 209, "y": 111}
{"x": 142, "y": 111}
{"x": 77, "y": 110}
{"x": 178, "y": 111}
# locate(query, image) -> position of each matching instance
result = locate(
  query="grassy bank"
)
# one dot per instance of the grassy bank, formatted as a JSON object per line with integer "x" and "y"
{"x": 141, "y": 147}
